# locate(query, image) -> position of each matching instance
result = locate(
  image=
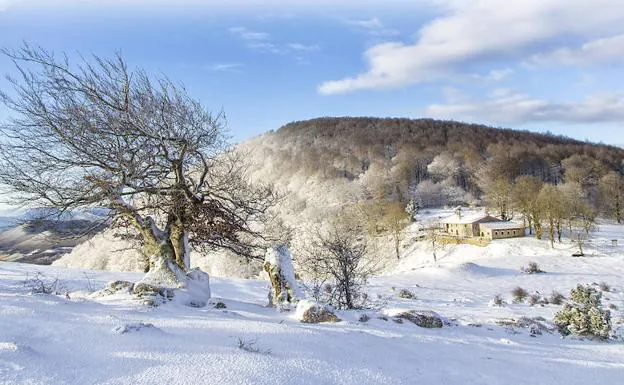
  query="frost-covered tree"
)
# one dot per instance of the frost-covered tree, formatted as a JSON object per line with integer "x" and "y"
{"x": 96, "y": 134}
{"x": 584, "y": 316}
{"x": 444, "y": 166}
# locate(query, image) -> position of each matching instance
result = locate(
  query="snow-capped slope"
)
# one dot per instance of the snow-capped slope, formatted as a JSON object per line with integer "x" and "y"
{"x": 48, "y": 339}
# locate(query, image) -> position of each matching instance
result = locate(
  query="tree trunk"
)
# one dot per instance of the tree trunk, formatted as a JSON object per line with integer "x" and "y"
{"x": 157, "y": 246}
{"x": 396, "y": 247}
{"x": 179, "y": 242}
{"x": 538, "y": 230}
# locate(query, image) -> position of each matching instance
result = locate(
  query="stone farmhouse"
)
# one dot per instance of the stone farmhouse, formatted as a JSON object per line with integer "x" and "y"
{"x": 481, "y": 225}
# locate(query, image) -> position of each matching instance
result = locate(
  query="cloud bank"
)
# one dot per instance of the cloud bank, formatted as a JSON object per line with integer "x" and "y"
{"x": 490, "y": 30}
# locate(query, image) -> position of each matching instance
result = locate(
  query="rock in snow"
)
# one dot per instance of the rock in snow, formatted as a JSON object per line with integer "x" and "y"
{"x": 314, "y": 312}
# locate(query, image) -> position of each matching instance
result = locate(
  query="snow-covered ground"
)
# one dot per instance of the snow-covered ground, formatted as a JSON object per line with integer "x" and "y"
{"x": 48, "y": 339}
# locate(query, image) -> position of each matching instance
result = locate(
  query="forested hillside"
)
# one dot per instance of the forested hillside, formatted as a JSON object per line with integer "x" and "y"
{"x": 433, "y": 162}
{"x": 376, "y": 168}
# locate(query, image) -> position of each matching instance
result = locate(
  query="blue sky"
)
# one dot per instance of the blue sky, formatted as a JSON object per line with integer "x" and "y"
{"x": 543, "y": 65}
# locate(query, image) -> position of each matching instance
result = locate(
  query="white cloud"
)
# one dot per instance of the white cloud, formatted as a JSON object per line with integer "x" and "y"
{"x": 303, "y": 47}
{"x": 226, "y": 67}
{"x": 263, "y": 43}
{"x": 504, "y": 106}
{"x": 495, "y": 75}
{"x": 373, "y": 23}
{"x": 373, "y": 27}
{"x": 246, "y": 34}
{"x": 596, "y": 51}
{"x": 480, "y": 29}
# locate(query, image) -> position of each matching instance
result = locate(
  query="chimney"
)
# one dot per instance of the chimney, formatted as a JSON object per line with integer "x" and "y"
{"x": 458, "y": 212}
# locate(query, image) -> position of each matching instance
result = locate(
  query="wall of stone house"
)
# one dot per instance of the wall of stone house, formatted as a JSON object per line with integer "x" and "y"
{"x": 460, "y": 230}
{"x": 503, "y": 234}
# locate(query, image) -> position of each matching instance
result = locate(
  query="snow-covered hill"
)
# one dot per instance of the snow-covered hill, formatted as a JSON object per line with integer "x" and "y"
{"x": 79, "y": 339}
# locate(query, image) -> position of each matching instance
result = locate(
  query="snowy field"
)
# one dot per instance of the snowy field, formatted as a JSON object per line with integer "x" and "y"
{"x": 86, "y": 339}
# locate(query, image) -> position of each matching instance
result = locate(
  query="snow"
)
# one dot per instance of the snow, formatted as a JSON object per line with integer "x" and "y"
{"x": 465, "y": 219}
{"x": 103, "y": 252}
{"x": 502, "y": 225}
{"x": 95, "y": 339}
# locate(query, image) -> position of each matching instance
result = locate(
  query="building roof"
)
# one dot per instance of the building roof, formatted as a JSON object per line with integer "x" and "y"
{"x": 506, "y": 225}
{"x": 464, "y": 219}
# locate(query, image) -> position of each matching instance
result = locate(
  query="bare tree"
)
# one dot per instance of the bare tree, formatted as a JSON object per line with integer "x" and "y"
{"x": 96, "y": 134}
{"x": 395, "y": 219}
{"x": 337, "y": 261}
{"x": 433, "y": 236}
{"x": 498, "y": 194}
{"x": 524, "y": 195}
{"x": 612, "y": 194}
{"x": 552, "y": 209}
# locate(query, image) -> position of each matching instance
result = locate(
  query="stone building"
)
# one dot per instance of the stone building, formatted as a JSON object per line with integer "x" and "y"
{"x": 481, "y": 225}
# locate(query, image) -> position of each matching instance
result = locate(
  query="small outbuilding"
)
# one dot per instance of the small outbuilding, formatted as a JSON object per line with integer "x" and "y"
{"x": 501, "y": 230}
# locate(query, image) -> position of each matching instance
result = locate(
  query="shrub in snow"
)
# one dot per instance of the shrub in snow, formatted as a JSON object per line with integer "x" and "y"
{"x": 519, "y": 294}
{"x": 279, "y": 267}
{"x": 584, "y": 316}
{"x": 250, "y": 346}
{"x": 556, "y": 298}
{"x": 40, "y": 284}
{"x": 534, "y": 299}
{"x": 497, "y": 301}
{"x": 315, "y": 312}
{"x": 406, "y": 294}
{"x": 604, "y": 286}
{"x": 133, "y": 327}
{"x": 531, "y": 268}
{"x": 613, "y": 306}
{"x": 364, "y": 318}
{"x": 220, "y": 305}
{"x": 536, "y": 325}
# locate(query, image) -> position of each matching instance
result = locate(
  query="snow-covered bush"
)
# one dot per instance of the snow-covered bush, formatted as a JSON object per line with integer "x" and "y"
{"x": 531, "y": 268}
{"x": 534, "y": 299}
{"x": 519, "y": 294}
{"x": 250, "y": 346}
{"x": 584, "y": 316}
{"x": 556, "y": 298}
{"x": 497, "y": 301}
{"x": 604, "y": 286}
{"x": 40, "y": 284}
